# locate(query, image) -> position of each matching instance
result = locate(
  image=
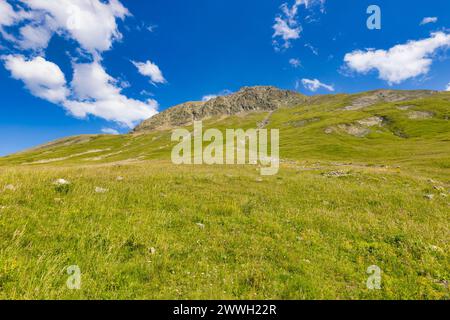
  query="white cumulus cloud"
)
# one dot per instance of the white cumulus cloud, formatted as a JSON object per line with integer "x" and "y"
{"x": 43, "y": 78}
{"x": 92, "y": 90}
{"x": 428, "y": 20}
{"x": 96, "y": 92}
{"x": 314, "y": 84}
{"x": 151, "y": 70}
{"x": 92, "y": 23}
{"x": 448, "y": 87}
{"x": 400, "y": 62}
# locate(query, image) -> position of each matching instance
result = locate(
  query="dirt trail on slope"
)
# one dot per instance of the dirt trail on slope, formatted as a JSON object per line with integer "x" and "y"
{"x": 266, "y": 121}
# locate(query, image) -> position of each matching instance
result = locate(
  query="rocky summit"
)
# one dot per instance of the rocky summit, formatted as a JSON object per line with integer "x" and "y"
{"x": 248, "y": 99}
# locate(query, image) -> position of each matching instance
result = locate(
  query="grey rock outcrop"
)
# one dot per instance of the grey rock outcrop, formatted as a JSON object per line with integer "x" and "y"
{"x": 248, "y": 99}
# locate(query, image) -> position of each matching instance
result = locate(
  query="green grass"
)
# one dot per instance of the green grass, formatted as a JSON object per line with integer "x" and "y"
{"x": 297, "y": 235}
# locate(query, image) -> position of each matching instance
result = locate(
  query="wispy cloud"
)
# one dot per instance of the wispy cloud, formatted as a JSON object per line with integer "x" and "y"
{"x": 314, "y": 85}
{"x": 8, "y": 16}
{"x": 152, "y": 27}
{"x": 428, "y": 20}
{"x": 287, "y": 25}
{"x": 295, "y": 62}
{"x": 314, "y": 50}
{"x": 110, "y": 131}
{"x": 208, "y": 97}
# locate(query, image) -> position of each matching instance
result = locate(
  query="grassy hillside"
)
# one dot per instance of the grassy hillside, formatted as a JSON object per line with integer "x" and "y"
{"x": 358, "y": 186}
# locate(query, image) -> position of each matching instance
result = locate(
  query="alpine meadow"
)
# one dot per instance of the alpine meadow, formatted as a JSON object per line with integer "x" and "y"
{"x": 355, "y": 188}
{"x": 224, "y": 158}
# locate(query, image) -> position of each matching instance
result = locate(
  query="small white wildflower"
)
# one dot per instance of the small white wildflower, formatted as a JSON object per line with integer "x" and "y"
{"x": 61, "y": 182}
{"x": 200, "y": 225}
{"x": 429, "y": 196}
{"x": 435, "y": 248}
{"x": 100, "y": 190}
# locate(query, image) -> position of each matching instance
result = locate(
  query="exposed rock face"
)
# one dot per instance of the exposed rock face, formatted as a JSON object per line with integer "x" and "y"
{"x": 248, "y": 99}
{"x": 371, "y": 122}
{"x": 378, "y": 96}
{"x": 360, "y": 128}
{"x": 417, "y": 115}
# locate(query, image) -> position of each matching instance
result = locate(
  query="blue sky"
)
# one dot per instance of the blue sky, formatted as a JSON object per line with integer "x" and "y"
{"x": 85, "y": 66}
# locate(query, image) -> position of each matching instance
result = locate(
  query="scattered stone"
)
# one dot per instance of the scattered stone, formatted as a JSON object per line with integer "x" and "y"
{"x": 119, "y": 178}
{"x": 444, "y": 195}
{"x": 429, "y": 196}
{"x": 58, "y": 200}
{"x": 418, "y": 115}
{"x": 100, "y": 190}
{"x": 354, "y": 130}
{"x": 404, "y": 108}
{"x": 336, "y": 174}
{"x": 200, "y": 225}
{"x": 259, "y": 180}
{"x": 329, "y": 130}
{"x": 10, "y": 187}
{"x": 152, "y": 250}
{"x": 439, "y": 188}
{"x": 265, "y": 122}
{"x": 3, "y": 207}
{"x": 371, "y": 122}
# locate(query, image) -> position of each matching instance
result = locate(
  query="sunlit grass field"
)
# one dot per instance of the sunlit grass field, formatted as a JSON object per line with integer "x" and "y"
{"x": 338, "y": 205}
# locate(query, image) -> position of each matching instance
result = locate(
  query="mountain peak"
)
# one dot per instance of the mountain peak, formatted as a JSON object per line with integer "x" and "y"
{"x": 247, "y": 99}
